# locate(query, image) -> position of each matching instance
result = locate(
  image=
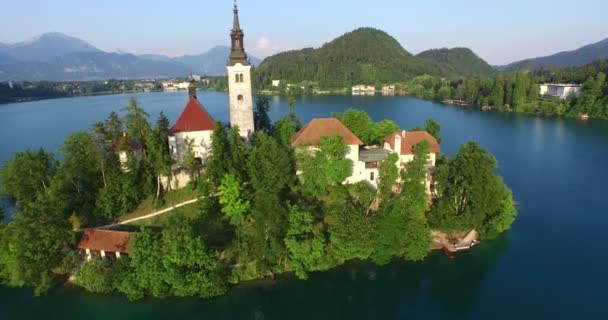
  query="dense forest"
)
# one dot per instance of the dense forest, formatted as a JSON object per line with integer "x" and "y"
{"x": 460, "y": 61}
{"x": 365, "y": 55}
{"x": 255, "y": 217}
{"x": 519, "y": 91}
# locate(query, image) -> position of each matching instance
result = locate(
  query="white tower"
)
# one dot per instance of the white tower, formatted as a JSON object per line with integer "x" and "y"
{"x": 239, "y": 82}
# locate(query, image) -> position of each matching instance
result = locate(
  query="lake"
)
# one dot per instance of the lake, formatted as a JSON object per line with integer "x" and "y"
{"x": 551, "y": 264}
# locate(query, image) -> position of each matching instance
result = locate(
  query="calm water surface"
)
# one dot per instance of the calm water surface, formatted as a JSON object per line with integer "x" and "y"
{"x": 551, "y": 264}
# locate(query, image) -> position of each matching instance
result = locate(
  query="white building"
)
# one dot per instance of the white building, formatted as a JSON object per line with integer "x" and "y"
{"x": 195, "y": 127}
{"x": 276, "y": 83}
{"x": 403, "y": 143}
{"x": 559, "y": 90}
{"x": 239, "y": 82}
{"x": 363, "y": 89}
{"x": 388, "y": 90}
{"x": 366, "y": 160}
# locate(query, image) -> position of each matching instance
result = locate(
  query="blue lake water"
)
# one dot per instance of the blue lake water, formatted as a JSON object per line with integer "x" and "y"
{"x": 551, "y": 264}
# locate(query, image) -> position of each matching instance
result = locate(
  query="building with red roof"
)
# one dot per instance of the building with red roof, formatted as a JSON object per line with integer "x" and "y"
{"x": 105, "y": 242}
{"x": 366, "y": 159}
{"x": 194, "y": 127}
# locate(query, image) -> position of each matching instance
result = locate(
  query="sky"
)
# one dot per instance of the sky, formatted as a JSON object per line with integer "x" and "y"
{"x": 498, "y": 31}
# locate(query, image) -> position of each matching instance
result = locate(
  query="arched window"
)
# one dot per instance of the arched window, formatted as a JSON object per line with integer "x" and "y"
{"x": 241, "y": 76}
{"x": 240, "y": 98}
{"x": 236, "y": 78}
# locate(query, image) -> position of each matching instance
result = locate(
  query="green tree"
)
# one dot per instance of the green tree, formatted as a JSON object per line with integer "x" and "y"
{"x": 388, "y": 172}
{"x": 32, "y": 244}
{"x": 351, "y": 233}
{"x": 218, "y": 163}
{"x": 234, "y": 204}
{"x": 471, "y": 195}
{"x": 270, "y": 166}
{"x": 382, "y": 129}
{"x": 96, "y": 276}
{"x": 80, "y": 174}
{"x": 27, "y": 175}
{"x": 359, "y": 123}
{"x": 434, "y": 129}
{"x": 498, "y": 91}
{"x": 305, "y": 243}
{"x": 260, "y": 115}
{"x": 239, "y": 153}
{"x": 136, "y": 120}
{"x": 519, "y": 92}
{"x": 324, "y": 168}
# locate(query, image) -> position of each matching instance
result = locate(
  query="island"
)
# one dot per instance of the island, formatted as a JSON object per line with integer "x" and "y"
{"x": 249, "y": 200}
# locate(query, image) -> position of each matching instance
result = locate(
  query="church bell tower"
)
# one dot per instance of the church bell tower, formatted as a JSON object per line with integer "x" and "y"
{"x": 239, "y": 82}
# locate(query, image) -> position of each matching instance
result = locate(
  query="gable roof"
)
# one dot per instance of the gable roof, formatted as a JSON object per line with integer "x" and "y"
{"x": 193, "y": 118}
{"x": 317, "y": 129}
{"x": 106, "y": 240}
{"x": 409, "y": 139}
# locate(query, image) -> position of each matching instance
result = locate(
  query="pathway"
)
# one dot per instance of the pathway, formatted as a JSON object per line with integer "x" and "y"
{"x": 158, "y": 213}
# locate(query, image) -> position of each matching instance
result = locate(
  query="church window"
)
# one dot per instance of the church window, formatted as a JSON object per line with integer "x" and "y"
{"x": 241, "y": 76}
{"x": 236, "y": 78}
{"x": 240, "y": 97}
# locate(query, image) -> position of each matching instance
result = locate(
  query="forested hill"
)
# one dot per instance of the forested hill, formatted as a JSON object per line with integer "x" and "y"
{"x": 461, "y": 61}
{"x": 365, "y": 55}
{"x": 579, "y": 57}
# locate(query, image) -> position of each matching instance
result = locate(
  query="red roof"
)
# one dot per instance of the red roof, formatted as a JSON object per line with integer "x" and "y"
{"x": 411, "y": 139}
{"x": 106, "y": 240}
{"x": 125, "y": 142}
{"x": 193, "y": 118}
{"x": 317, "y": 129}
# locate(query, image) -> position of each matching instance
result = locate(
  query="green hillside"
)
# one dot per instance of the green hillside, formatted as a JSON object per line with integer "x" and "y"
{"x": 461, "y": 61}
{"x": 365, "y": 55}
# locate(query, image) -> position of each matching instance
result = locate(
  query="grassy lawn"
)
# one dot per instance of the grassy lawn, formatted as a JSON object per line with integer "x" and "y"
{"x": 189, "y": 211}
{"x": 171, "y": 198}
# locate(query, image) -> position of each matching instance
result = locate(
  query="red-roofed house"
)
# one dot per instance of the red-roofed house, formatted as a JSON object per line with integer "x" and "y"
{"x": 123, "y": 146}
{"x": 105, "y": 242}
{"x": 365, "y": 159}
{"x": 194, "y": 125}
{"x": 403, "y": 143}
{"x": 311, "y": 135}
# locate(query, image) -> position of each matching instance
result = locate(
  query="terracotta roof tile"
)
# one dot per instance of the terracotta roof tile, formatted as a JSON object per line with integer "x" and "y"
{"x": 317, "y": 129}
{"x": 106, "y": 240}
{"x": 193, "y": 118}
{"x": 413, "y": 138}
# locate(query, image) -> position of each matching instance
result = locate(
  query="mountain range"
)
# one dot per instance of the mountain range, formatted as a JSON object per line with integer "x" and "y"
{"x": 364, "y": 54}
{"x": 58, "y": 57}
{"x": 581, "y": 56}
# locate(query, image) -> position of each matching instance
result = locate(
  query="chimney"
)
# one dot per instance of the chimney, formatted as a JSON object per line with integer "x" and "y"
{"x": 192, "y": 89}
{"x": 397, "y": 148}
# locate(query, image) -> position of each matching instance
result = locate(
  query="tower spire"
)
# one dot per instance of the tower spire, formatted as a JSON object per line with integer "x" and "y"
{"x": 237, "y": 53}
{"x": 236, "y": 24}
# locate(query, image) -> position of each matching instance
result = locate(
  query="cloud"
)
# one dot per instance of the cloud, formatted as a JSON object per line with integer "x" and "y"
{"x": 265, "y": 47}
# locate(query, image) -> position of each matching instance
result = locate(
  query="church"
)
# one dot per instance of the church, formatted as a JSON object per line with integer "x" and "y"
{"x": 194, "y": 127}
